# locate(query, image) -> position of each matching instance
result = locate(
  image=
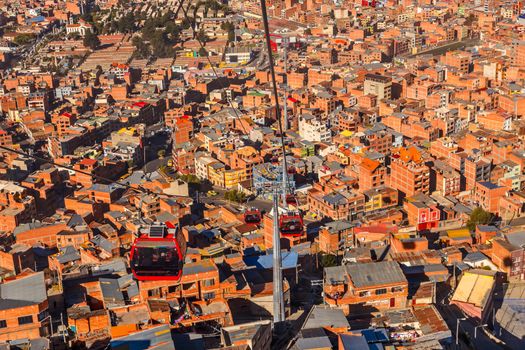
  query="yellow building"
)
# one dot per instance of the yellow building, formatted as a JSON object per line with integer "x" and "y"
{"x": 233, "y": 177}
{"x": 216, "y": 173}
{"x": 374, "y": 201}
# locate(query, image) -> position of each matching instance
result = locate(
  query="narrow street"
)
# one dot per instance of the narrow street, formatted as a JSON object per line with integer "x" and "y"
{"x": 481, "y": 342}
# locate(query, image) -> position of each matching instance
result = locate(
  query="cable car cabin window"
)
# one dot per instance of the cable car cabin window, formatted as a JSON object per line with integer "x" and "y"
{"x": 149, "y": 259}
{"x": 291, "y": 225}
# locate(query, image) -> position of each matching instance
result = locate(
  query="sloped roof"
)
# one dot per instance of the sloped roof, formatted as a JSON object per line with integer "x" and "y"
{"x": 376, "y": 273}
{"x": 156, "y": 337}
{"x": 289, "y": 260}
{"x": 474, "y": 288}
{"x": 24, "y": 291}
{"x": 370, "y": 164}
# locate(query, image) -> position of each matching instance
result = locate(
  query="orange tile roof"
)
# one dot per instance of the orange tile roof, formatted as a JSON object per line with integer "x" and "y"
{"x": 409, "y": 154}
{"x": 370, "y": 164}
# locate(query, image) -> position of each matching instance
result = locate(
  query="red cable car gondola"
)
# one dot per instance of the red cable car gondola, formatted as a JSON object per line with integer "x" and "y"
{"x": 158, "y": 253}
{"x": 291, "y": 224}
{"x": 291, "y": 200}
{"x": 252, "y": 216}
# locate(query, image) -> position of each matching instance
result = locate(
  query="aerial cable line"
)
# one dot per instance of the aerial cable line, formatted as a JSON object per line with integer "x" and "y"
{"x": 186, "y": 17}
{"x": 275, "y": 93}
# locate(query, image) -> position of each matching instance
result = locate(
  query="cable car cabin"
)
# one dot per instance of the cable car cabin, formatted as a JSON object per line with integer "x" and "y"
{"x": 291, "y": 224}
{"x": 252, "y": 216}
{"x": 158, "y": 253}
{"x": 291, "y": 200}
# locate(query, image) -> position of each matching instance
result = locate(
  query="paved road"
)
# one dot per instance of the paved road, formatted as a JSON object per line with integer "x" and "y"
{"x": 261, "y": 204}
{"x": 154, "y": 164}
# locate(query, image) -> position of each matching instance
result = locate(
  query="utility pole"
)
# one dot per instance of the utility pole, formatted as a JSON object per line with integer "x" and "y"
{"x": 458, "y": 320}
{"x": 63, "y": 333}
{"x": 278, "y": 302}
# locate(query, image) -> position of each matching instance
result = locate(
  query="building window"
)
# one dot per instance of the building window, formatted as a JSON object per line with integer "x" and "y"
{"x": 208, "y": 283}
{"x": 153, "y": 292}
{"x": 25, "y": 320}
{"x": 3, "y": 324}
{"x": 381, "y": 291}
{"x": 208, "y": 296}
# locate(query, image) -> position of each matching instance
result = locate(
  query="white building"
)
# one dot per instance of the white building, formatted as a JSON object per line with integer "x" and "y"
{"x": 201, "y": 166}
{"x": 238, "y": 54}
{"x": 313, "y": 129}
{"x": 79, "y": 28}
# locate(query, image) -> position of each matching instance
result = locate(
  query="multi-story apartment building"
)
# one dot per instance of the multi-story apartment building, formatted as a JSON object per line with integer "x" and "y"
{"x": 335, "y": 235}
{"x": 313, "y": 129}
{"x": 409, "y": 173}
{"x": 378, "y": 85}
{"x": 422, "y": 211}
{"x": 23, "y": 307}
{"x": 488, "y": 195}
{"x": 445, "y": 179}
{"x": 372, "y": 174}
{"x": 509, "y": 258}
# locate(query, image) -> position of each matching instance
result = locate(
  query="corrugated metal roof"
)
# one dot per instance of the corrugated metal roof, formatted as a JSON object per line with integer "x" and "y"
{"x": 376, "y": 273}
{"x": 31, "y": 288}
{"x": 474, "y": 288}
{"x": 325, "y": 316}
{"x": 289, "y": 260}
{"x": 157, "y": 337}
{"x": 199, "y": 267}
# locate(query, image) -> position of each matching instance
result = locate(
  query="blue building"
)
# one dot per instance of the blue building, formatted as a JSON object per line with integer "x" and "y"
{"x": 268, "y": 176}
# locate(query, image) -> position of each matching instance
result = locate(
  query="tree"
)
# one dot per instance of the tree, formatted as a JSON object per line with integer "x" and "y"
{"x": 126, "y": 23}
{"x": 190, "y": 179}
{"x": 215, "y": 7}
{"x": 328, "y": 260}
{"x": 230, "y": 28}
{"x": 231, "y": 35}
{"x": 235, "y": 196}
{"x": 203, "y": 52}
{"x": 91, "y": 40}
{"x": 202, "y": 37}
{"x": 74, "y": 36}
{"x": 161, "y": 45}
{"x": 24, "y": 39}
{"x": 479, "y": 216}
{"x": 142, "y": 50}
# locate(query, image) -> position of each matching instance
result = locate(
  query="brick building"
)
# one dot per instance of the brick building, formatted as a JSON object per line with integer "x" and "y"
{"x": 409, "y": 173}
{"x": 24, "y": 307}
{"x": 370, "y": 286}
